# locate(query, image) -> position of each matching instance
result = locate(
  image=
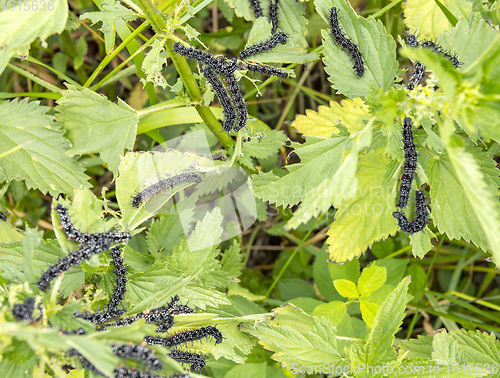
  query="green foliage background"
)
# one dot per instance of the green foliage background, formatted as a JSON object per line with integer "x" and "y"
{"x": 324, "y": 276}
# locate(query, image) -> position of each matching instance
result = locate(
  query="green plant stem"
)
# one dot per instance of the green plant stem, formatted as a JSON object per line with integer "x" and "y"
{"x": 122, "y": 64}
{"x": 392, "y": 4}
{"x": 32, "y": 77}
{"x": 250, "y": 244}
{"x": 291, "y": 257}
{"x": 111, "y": 56}
{"x": 156, "y": 19}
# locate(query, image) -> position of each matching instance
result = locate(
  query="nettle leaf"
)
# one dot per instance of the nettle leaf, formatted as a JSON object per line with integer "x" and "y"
{"x": 164, "y": 234}
{"x": 153, "y": 65}
{"x": 264, "y": 148}
{"x": 292, "y": 22}
{"x": 452, "y": 210}
{"x": 483, "y": 200}
{"x": 367, "y": 217}
{"x": 310, "y": 345}
{"x": 320, "y": 158}
{"x": 232, "y": 261}
{"x": 21, "y": 27}
{"x": 96, "y": 125}
{"x": 40, "y": 160}
{"x": 242, "y": 8}
{"x": 323, "y": 123}
{"x": 138, "y": 170}
{"x": 192, "y": 271}
{"x": 445, "y": 349}
{"x": 110, "y": 11}
{"x": 378, "y": 49}
{"x": 469, "y": 39}
{"x": 333, "y": 190}
{"x": 378, "y": 348}
{"x": 478, "y": 347}
{"x": 421, "y": 347}
{"x": 428, "y": 19}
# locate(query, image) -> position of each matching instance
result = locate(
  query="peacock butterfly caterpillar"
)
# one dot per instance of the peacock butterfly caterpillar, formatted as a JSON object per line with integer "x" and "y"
{"x": 225, "y": 101}
{"x": 410, "y": 163}
{"x": 346, "y": 43}
{"x": 259, "y": 48}
{"x": 162, "y": 185}
{"x": 121, "y": 279}
{"x": 197, "y": 361}
{"x": 257, "y": 10}
{"x": 273, "y": 15}
{"x": 185, "y": 337}
{"x": 421, "y": 218}
{"x": 139, "y": 352}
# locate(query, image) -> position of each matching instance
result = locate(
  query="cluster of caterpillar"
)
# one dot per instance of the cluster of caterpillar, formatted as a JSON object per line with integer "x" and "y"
{"x": 162, "y": 185}
{"x": 273, "y": 12}
{"x": 346, "y": 43}
{"x": 419, "y": 68}
{"x": 92, "y": 244}
{"x": 129, "y": 351}
{"x": 231, "y": 99}
{"x": 85, "y": 238}
{"x": 421, "y": 219}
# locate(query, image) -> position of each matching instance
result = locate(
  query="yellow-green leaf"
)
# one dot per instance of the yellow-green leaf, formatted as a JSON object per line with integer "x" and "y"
{"x": 428, "y": 18}
{"x": 350, "y": 113}
{"x": 371, "y": 279}
{"x": 346, "y": 288}
{"x": 368, "y": 311}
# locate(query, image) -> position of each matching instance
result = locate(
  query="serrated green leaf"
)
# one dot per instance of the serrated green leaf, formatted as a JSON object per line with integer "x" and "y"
{"x": 445, "y": 350}
{"x": 110, "y": 11}
{"x": 332, "y": 191}
{"x": 378, "y": 49}
{"x": 320, "y": 158}
{"x": 452, "y": 210}
{"x": 372, "y": 278}
{"x": 40, "y": 160}
{"x": 164, "y": 234}
{"x": 22, "y": 27}
{"x": 346, "y": 288}
{"x": 478, "y": 347}
{"x": 96, "y": 125}
{"x": 367, "y": 217}
{"x": 469, "y": 39}
{"x": 378, "y": 348}
{"x": 307, "y": 347}
{"x": 323, "y": 123}
{"x": 232, "y": 261}
{"x": 292, "y": 22}
{"x": 428, "y": 18}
